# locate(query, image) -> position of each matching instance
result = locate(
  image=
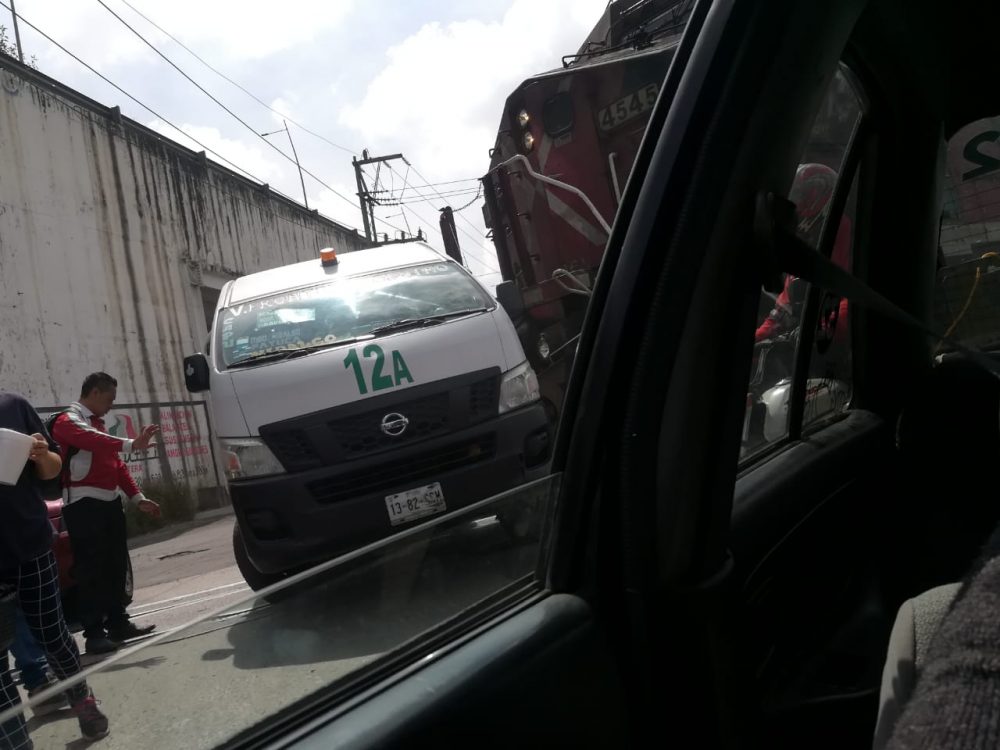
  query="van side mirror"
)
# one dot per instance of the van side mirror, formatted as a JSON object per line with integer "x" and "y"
{"x": 510, "y": 299}
{"x": 197, "y": 373}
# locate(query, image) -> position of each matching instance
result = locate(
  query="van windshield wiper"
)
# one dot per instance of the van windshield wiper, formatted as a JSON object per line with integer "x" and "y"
{"x": 429, "y": 320}
{"x": 294, "y": 351}
{"x": 272, "y": 356}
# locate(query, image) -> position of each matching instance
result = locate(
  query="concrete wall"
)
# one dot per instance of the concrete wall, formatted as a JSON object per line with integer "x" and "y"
{"x": 110, "y": 238}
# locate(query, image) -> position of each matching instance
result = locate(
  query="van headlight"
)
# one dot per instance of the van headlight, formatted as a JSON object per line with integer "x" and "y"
{"x": 248, "y": 457}
{"x": 519, "y": 387}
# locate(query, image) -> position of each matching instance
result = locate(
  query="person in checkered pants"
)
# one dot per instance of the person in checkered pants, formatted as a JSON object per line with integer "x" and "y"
{"x": 28, "y": 571}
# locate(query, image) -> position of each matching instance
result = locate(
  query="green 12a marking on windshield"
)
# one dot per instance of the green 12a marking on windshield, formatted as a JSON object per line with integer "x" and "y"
{"x": 380, "y": 380}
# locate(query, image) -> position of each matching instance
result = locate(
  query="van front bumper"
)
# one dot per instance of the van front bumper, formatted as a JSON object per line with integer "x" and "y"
{"x": 291, "y": 521}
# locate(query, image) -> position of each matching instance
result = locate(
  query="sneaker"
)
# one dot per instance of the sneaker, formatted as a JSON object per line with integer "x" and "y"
{"x": 49, "y": 705}
{"x": 128, "y": 631}
{"x": 93, "y": 723}
{"x": 100, "y": 645}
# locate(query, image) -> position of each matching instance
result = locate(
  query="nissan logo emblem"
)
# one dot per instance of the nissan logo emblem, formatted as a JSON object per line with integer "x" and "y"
{"x": 394, "y": 424}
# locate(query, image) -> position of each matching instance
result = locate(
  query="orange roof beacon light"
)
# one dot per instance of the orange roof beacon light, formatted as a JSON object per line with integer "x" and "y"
{"x": 328, "y": 256}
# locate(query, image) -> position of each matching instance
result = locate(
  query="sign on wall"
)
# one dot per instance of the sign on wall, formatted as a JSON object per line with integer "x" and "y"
{"x": 183, "y": 449}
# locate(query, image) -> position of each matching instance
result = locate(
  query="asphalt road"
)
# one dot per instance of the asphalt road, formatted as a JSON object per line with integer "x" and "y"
{"x": 197, "y": 686}
{"x": 186, "y": 576}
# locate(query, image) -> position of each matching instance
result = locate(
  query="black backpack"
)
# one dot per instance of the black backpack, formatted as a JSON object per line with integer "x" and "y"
{"x": 52, "y": 489}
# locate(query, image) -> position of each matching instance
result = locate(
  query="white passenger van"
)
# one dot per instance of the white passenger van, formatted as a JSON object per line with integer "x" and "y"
{"x": 352, "y": 397}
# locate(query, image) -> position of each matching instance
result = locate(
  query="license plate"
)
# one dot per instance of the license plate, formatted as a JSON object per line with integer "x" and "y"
{"x": 404, "y": 507}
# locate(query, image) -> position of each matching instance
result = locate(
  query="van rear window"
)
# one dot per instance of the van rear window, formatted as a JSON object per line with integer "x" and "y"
{"x": 343, "y": 309}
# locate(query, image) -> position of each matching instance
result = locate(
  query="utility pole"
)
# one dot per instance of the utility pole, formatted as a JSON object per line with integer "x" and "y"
{"x": 302, "y": 181}
{"x": 368, "y": 200}
{"x": 363, "y": 195}
{"x": 450, "y": 235}
{"x": 17, "y": 32}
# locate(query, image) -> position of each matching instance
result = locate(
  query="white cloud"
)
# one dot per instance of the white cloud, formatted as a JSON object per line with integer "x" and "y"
{"x": 437, "y": 97}
{"x": 223, "y": 30}
{"x": 283, "y": 104}
{"x": 253, "y": 29}
{"x": 440, "y": 94}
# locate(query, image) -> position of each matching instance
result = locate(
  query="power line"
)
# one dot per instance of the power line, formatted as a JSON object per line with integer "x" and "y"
{"x": 122, "y": 91}
{"x": 427, "y": 182}
{"x": 206, "y": 148}
{"x": 389, "y": 197}
{"x": 406, "y": 184}
{"x": 271, "y": 108}
{"x": 455, "y": 182}
{"x": 406, "y": 178}
{"x": 448, "y": 192}
{"x": 86, "y": 113}
{"x": 489, "y": 269}
{"x": 425, "y": 198}
{"x": 264, "y": 104}
{"x": 224, "y": 107}
{"x": 433, "y": 226}
{"x": 476, "y": 241}
{"x": 479, "y": 192}
{"x": 226, "y": 78}
{"x": 468, "y": 254}
{"x": 390, "y": 201}
{"x": 168, "y": 122}
{"x": 197, "y": 85}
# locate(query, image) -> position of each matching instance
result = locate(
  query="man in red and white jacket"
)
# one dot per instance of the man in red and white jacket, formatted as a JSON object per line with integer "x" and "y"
{"x": 95, "y": 478}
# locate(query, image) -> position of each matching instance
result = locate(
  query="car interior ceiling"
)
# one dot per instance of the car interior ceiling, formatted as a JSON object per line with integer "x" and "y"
{"x": 830, "y": 537}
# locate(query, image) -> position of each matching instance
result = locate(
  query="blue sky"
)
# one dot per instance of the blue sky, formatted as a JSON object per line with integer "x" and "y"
{"x": 426, "y": 79}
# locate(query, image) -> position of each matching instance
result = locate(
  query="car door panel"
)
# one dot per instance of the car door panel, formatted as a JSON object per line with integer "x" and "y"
{"x": 542, "y": 676}
{"x": 807, "y": 536}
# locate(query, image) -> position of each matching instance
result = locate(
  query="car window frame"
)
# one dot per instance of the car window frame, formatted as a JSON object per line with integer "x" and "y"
{"x": 796, "y": 428}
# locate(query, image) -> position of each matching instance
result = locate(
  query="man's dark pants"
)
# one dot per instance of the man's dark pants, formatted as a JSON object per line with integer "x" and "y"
{"x": 97, "y": 535}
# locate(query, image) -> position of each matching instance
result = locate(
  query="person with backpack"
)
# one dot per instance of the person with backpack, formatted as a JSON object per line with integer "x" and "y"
{"x": 28, "y": 570}
{"x": 94, "y": 479}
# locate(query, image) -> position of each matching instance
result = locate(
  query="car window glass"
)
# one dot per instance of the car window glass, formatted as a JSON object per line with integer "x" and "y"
{"x": 263, "y": 654}
{"x": 967, "y": 288}
{"x": 780, "y": 316}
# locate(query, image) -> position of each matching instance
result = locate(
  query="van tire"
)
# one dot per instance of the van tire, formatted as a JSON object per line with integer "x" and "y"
{"x": 255, "y": 579}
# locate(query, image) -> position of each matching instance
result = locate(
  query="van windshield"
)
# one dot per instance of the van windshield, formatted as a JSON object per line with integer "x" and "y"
{"x": 344, "y": 309}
